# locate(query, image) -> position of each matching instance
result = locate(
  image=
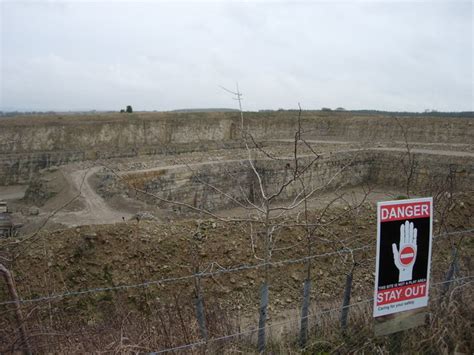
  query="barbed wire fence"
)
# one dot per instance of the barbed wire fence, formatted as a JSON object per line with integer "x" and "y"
{"x": 201, "y": 274}
{"x": 209, "y": 273}
{"x": 205, "y": 273}
{"x": 463, "y": 280}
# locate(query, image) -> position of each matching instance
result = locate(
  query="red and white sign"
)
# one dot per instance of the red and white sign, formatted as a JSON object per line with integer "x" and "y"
{"x": 403, "y": 211}
{"x": 402, "y": 293}
{"x": 403, "y": 255}
{"x": 407, "y": 255}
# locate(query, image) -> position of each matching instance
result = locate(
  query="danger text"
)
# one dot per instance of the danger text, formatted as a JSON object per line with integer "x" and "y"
{"x": 404, "y": 211}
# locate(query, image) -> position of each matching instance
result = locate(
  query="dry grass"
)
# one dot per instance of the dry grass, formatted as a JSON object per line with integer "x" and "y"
{"x": 156, "y": 326}
{"x": 160, "y": 326}
{"x": 449, "y": 330}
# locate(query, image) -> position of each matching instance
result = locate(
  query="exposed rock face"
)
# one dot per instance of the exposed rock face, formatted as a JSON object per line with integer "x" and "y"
{"x": 200, "y": 187}
{"x": 30, "y": 144}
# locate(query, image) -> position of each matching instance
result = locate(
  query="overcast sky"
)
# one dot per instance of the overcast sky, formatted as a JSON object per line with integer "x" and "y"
{"x": 163, "y": 55}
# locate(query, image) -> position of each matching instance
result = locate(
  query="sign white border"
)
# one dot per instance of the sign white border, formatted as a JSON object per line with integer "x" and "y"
{"x": 397, "y": 307}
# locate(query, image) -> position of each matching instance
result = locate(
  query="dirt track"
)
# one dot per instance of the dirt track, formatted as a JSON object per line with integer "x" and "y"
{"x": 93, "y": 209}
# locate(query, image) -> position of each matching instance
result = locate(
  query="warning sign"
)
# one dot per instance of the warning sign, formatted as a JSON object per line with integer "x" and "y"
{"x": 403, "y": 255}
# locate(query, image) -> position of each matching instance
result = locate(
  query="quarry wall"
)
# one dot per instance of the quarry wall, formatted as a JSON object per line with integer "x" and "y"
{"x": 432, "y": 171}
{"x": 32, "y": 143}
{"x": 230, "y": 184}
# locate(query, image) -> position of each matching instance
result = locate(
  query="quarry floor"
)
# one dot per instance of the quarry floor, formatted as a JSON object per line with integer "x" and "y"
{"x": 76, "y": 202}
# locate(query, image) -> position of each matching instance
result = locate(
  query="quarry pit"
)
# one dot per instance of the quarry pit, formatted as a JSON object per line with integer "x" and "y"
{"x": 118, "y": 164}
{"x": 120, "y": 199}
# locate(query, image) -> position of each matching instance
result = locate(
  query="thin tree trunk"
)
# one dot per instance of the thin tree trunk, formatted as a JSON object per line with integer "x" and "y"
{"x": 16, "y": 302}
{"x": 264, "y": 288}
{"x": 450, "y": 275}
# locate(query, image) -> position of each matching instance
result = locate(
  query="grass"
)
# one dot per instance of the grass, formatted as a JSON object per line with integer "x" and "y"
{"x": 166, "y": 325}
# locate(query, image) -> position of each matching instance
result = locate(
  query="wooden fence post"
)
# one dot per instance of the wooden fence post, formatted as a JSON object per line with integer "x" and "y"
{"x": 305, "y": 313}
{"x": 262, "y": 318}
{"x": 199, "y": 301}
{"x": 200, "y": 314}
{"x": 346, "y": 300}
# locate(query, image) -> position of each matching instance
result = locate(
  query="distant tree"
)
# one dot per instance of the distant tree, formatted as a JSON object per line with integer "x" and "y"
{"x": 326, "y": 109}
{"x": 129, "y": 109}
{"x": 122, "y": 111}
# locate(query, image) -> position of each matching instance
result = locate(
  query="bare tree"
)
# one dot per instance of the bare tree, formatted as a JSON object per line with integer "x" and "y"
{"x": 407, "y": 160}
{"x": 277, "y": 191}
{"x": 270, "y": 212}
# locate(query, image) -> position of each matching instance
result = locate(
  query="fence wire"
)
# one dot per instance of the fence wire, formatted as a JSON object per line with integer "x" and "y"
{"x": 288, "y": 321}
{"x": 221, "y": 271}
{"x": 188, "y": 277}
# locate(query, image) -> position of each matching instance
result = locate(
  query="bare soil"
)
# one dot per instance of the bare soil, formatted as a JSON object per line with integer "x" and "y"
{"x": 81, "y": 240}
{"x": 133, "y": 253}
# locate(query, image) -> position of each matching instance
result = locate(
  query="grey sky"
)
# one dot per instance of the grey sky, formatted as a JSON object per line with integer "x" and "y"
{"x": 399, "y": 55}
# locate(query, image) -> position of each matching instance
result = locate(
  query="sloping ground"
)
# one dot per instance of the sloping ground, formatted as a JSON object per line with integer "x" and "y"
{"x": 133, "y": 253}
{"x": 95, "y": 209}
